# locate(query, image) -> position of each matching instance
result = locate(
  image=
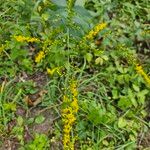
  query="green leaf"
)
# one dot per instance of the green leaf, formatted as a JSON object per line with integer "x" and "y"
{"x": 136, "y": 88}
{"x": 45, "y": 16}
{"x": 120, "y": 79}
{"x": 122, "y": 122}
{"x": 96, "y": 114}
{"x": 115, "y": 93}
{"x": 20, "y": 121}
{"x": 59, "y": 3}
{"x": 132, "y": 137}
{"x": 10, "y": 106}
{"x": 89, "y": 57}
{"x": 30, "y": 120}
{"x": 141, "y": 96}
{"x": 134, "y": 102}
{"x": 124, "y": 103}
{"x": 132, "y": 97}
{"x": 39, "y": 119}
{"x": 80, "y": 2}
{"x": 99, "y": 60}
{"x": 105, "y": 57}
{"x": 105, "y": 142}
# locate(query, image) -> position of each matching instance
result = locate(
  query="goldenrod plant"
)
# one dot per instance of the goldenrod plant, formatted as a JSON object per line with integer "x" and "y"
{"x": 95, "y": 31}
{"x": 74, "y": 74}
{"x": 140, "y": 71}
{"x": 69, "y": 115}
{"x": 20, "y": 38}
{"x": 39, "y": 56}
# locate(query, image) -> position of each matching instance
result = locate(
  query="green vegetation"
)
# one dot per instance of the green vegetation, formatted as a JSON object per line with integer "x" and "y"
{"x": 74, "y": 74}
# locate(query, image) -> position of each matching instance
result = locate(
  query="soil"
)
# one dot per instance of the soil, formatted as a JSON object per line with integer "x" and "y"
{"x": 144, "y": 141}
{"x": 46, "y": 127}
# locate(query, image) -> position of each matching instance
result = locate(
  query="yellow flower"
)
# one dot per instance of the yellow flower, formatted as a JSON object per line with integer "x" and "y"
{"x": 95, "y": 31}
{"x": 145, "y": 32}
{"x": 140, "y": 70}
{"x": 65, "y": 99}
{"x": 52, "y": 71}
{"x": 39, "y": 56}
{"x": 74, "y": 105}
{"x": 32, "y": 39}
{"x": 73, "y": 88}
{"x": 21, "y": 38}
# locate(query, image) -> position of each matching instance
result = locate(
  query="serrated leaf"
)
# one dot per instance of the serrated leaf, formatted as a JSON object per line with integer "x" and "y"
{"x": 39, "y": 119}
{"x": 124, "y": 103}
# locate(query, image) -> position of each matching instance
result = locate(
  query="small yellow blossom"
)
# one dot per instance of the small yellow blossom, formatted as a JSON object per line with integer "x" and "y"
{"x": 74, "y": 105}
{"x": 73, "y": 89}
{"x": 32, "y": 39}
{"x": 140, "y": 70}
{"x": 39, "y": 56}
{"x": 145, "y": 32}
{"x": 52, "y": 71}
{"x": 95, "y": 31}
{"x": 21, "y": 38}
{"x": 65, "y": 99}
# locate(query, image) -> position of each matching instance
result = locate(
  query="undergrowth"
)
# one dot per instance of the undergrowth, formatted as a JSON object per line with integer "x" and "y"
{"x": 74, "y": 74}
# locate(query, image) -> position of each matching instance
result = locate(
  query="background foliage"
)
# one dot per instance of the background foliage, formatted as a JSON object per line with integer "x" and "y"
{"x": 112, "y": 97}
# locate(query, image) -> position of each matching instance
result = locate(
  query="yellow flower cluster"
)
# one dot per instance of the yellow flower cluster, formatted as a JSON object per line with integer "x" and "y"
{"x": 145, "y": 32}
{"x": 69, "y": 117}
{"x": 39, "y": 56}
{"x": 140, "y": 70}
{"x": 52, "y": 71}
{"x": 21, "y": 38}
{"x": 131, "y": 58}
{"x": 95, "y": 31}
